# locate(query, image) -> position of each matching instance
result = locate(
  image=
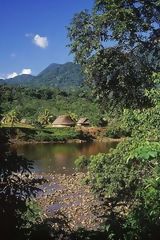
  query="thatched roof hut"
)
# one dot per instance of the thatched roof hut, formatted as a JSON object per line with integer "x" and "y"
{"x": 63, "y": 121}
{"x": 83, "y": 122}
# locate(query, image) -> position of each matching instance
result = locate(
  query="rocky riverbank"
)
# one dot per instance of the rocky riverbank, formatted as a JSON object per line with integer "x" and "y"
{"x": 67, "y": 195}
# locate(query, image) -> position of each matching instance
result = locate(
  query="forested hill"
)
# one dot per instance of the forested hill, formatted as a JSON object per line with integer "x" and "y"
{"x": 23, "y": 79}
{"x": 63, "y": 76}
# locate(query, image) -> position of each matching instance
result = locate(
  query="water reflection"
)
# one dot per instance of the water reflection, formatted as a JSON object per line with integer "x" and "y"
{"x": 60, "y": 157}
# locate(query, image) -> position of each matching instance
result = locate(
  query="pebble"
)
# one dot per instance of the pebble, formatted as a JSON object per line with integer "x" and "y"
{"x": 76, "y": 201}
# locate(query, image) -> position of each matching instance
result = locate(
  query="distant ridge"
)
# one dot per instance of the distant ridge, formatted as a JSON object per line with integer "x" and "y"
{"x": 63, "y": 76}
{"x": 19, "y": 80}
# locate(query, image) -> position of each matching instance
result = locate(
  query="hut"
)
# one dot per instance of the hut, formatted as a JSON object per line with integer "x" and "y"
{"x": 63, "y": 121}
{"x": 83, "y": 122}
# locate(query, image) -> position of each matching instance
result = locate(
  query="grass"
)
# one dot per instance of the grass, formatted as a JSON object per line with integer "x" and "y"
{"x": 57, "y": 134}
{"x": 17, "y": 125}
{"x": 26, "y": 132}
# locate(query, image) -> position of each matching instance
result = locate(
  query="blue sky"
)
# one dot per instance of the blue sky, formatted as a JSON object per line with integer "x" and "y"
{"x": 33, "y": 33}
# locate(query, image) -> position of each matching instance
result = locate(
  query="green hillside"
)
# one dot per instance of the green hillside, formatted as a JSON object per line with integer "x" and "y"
{"x": 31, "y": 103}
{"x": 60, "y": 75}
{"x": 23, "y": 79}
{"x": 63, "y": 76}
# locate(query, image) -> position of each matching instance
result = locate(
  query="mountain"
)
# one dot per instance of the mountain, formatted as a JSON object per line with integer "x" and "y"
{"x": 63, "y": 76}
{"x": 51, "y": 67}
{"x": 1, "y": 81}
{"x": 23, "y": 79}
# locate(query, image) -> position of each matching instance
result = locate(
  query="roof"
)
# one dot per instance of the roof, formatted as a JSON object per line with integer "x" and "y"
{"x": 64, "y": 120}
{"x": 83, "y": 121}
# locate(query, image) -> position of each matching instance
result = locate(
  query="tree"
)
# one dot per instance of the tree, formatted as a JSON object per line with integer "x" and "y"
{"x": 73, "y": 116}
{"x": 116, "y": 45}
{"x": 44, "y": 118}
{"x": 127, "y": 179}
{"x": 11, "y": 117}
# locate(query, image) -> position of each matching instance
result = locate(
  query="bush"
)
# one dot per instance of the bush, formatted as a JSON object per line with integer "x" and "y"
{"x": 42, "y": 136}
{"x": 17, "y": 190}
{"x": 117, "y": 133}
{"x": 82, "y": 162}
{"x": 127, "y": 179}
{"x": 45, "y": 134}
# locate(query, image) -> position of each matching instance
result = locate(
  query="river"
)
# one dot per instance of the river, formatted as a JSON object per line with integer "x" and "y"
{"x": 60, "y": 158}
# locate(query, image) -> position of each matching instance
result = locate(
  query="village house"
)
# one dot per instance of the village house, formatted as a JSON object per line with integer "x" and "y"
{"x": 63, "y": 121}
{"x": 83, "y": 122}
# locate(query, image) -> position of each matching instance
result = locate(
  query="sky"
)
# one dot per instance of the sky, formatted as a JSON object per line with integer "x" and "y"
{"x": 34, "y": 35}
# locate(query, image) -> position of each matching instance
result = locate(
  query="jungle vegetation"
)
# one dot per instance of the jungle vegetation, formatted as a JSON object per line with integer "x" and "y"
{"x": 117, "y": 45}
{"x": 33, "y": 104}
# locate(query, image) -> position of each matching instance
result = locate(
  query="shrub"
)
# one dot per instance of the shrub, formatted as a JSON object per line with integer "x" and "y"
{"x": 17, "y": 190}
{"x": 127, "y": 179}
{"x": 117, "y": 133}
{"x": 82, "y": 162}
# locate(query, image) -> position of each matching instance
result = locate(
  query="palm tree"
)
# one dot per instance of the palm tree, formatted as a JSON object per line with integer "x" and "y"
{"x": 73, "y": 116}
{"x": 11, "y": 117}
{"x": 44, "y": 118}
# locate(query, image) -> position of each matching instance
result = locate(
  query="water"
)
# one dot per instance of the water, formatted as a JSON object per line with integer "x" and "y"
{"x": 60, "y": 158}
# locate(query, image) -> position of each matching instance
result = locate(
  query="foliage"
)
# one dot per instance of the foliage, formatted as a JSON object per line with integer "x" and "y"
{"x": 43, "y": 134}
{"x": 63, "y": 134}
{"x": 17, "y": 188}
{"x": 117, "y": 133}
{"x": 11, "y": 117}
{"x": 44, "y": 118}
{"x": 117, "y": 46}
{"x": 82, "y": 234}
{"x": 82, "y": 162}
{"x": 55, "y": 228}
{"x": 127, "y": 179}
{"x": 32, "y": 103}
{"x": 144, "y": 122}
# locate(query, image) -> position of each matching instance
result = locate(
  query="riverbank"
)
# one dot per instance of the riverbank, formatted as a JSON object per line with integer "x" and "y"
{"x": 22, "y": 135}
{"x": 22, "y": 142}
{"x": 69, "y": 196}
{"x": 44, "y": 135}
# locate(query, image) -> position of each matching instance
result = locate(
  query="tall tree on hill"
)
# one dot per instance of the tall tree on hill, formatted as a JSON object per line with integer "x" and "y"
{"x": 117, "y": 44}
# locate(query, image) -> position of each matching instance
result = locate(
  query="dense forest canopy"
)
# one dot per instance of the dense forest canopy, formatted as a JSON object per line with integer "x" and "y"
{"x": 116, "y": 45}
{"x": 30, "y": 103}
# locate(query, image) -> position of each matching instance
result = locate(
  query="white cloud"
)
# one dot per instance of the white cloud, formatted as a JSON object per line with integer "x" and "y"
{"x": 3, "y": 76}
{"x": 41, "y": 42}
{"x": 26, "y": 71}
{"x": 12, "y": 75}
{"x": 15, "y": 74}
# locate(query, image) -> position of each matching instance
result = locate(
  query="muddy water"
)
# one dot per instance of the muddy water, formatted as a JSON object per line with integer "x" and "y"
{"x": 60, "y": 158}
